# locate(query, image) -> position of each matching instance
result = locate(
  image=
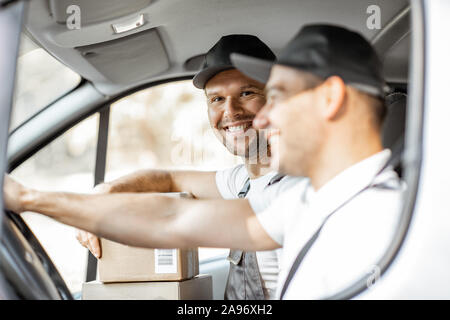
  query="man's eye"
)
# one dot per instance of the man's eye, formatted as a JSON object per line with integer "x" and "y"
{"x": 216, "y": 99}
{"x": 246, "y": 93}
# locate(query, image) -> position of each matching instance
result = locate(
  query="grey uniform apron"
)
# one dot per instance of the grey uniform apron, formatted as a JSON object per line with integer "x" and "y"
{"x": 244, "y": 280}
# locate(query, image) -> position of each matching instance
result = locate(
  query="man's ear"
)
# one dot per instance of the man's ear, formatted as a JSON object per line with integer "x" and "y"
{"x": 334, "y": 91}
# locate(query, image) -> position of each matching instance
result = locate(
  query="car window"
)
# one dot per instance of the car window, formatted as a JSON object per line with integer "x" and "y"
{"x": 164, "y": 127}
{"x": 66, "y": 164}
{"x": 41, "y": 79}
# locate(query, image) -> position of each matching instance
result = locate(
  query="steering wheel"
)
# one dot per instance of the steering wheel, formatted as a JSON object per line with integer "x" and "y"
{"x": 25, "y": 264}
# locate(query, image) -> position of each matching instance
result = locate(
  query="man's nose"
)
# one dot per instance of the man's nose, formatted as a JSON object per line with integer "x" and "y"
{"x": 232, "y": 107}
{"x": 261, "y": 120}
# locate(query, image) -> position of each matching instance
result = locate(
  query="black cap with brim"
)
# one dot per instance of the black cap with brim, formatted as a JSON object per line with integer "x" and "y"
{"x": 206, "y": 74}
{"x": 324, "y": 50}
{"x": 217, "y": 59}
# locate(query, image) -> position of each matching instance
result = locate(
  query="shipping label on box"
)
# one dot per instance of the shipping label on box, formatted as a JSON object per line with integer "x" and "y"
{"x": 166, "y": 261}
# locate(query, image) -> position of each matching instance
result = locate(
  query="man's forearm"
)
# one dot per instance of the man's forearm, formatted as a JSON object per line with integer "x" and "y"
{"x": 138, "y": 219}
{"x": 143, "y": 181}
{"x": 201, "y": 185}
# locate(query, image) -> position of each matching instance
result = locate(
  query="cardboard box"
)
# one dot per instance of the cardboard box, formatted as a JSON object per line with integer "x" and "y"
{"x": 121, "y": 263}
{"x": 198, "y": 288}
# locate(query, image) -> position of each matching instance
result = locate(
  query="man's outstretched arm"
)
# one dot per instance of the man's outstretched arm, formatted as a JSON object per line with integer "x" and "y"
{"x": 201, "y": 185}
{"x": 148, "y": 220}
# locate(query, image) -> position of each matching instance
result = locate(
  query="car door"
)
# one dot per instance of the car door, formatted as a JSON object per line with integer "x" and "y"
{"x": 9, "y": 37}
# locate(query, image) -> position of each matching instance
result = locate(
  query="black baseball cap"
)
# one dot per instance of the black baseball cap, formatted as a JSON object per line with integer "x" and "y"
{"x": 217, "y": 59}
{"x": 324, "y": 50}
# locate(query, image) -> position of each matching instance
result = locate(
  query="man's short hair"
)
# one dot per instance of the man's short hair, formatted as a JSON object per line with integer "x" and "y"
{"x": 377, "y": 105}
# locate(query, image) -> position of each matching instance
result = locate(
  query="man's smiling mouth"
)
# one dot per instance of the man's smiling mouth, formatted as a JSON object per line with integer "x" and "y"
{"x": 237, "y": 129}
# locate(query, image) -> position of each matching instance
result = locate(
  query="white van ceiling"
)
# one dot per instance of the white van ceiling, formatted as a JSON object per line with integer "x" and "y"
{"x": 173, "y": 31}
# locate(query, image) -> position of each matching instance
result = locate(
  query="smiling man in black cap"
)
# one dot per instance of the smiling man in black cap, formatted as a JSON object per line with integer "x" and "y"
{"x": 325, "y": 98}
{"x": 325, "y": 95}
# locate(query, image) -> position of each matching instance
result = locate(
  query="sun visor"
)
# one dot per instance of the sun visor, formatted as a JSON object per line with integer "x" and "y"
{"x": 93, "y": 11}
{"x": 128, "y": 59}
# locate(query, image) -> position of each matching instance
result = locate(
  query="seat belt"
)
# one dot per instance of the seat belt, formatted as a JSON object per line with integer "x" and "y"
{"x": 395, "y": 158}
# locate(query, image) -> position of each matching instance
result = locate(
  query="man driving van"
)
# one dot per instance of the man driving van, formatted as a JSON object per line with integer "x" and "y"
{"x": 325, "y": 98}
{"x": 233, "y": 100}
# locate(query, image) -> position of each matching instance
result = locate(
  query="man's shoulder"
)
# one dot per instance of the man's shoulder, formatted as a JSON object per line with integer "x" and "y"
{"x": 235, "y": 168}
{"x": 362, "y": 231}
{"x": 230, "y": 180}
{"x": 383, "y": 196}
{"x": 233, "y": 172}
{"x": 374, "y": 214}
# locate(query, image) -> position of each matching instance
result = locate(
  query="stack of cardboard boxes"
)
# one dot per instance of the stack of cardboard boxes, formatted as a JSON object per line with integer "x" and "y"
{"x": 126, "y": 272}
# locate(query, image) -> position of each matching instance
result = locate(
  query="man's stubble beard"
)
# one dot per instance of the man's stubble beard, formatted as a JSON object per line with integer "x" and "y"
{"x": 302, "y": 158}
{"x": 257, "y": 151}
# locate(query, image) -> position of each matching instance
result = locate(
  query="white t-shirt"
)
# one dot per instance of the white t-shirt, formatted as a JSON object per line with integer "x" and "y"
{"x": 351, "y": 241}
{"x": 230, "y": 182}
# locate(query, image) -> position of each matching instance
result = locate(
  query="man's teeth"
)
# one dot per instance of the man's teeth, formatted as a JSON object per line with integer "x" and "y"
{"x": 236, "y": 128}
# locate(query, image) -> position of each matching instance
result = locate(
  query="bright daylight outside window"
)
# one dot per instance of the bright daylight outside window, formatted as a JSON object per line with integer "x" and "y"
{"x": 66, "y": 164}
{"x": 41, "y": 79}
{"x": 164, "y": 127}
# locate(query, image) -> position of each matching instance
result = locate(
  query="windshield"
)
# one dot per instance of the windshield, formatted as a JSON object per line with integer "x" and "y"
{"x": 41, "y": 79}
